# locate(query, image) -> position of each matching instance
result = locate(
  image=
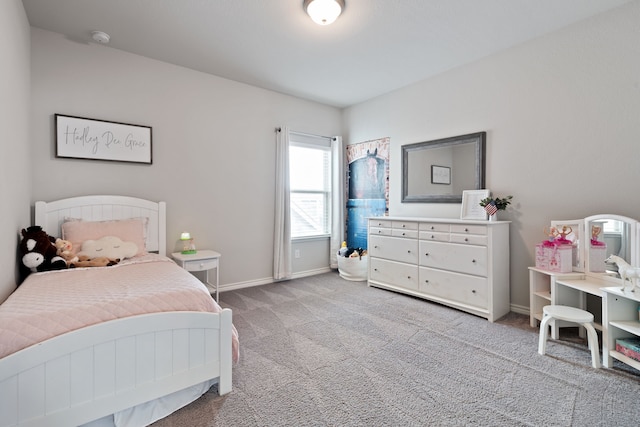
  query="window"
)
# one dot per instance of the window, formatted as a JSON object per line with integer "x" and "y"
{"x": 612, "y": 226}
{"x": 310, "y": 183}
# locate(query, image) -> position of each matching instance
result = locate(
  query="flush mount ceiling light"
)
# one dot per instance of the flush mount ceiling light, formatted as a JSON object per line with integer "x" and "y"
{"x": 323, "y": 12}
{"x": 100, "y": 37}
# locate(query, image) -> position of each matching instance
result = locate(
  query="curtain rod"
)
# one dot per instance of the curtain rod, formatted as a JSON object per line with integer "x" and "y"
{"x": 278, "y": 129}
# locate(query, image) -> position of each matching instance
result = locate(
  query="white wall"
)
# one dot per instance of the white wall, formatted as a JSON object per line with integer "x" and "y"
{"x": 213, "y": 144}
{"x": 15, "y": 162}
{"x": 562, "y": 115}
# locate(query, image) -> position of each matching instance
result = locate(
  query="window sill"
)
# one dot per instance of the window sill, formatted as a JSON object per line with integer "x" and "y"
{"x": 310, "y": 238}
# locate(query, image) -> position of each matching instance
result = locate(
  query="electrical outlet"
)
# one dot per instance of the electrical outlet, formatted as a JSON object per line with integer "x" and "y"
{"x": 297, "y": 253}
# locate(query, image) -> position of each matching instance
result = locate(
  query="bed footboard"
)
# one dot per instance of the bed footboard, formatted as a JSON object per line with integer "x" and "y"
{"x": 99, "y": 370}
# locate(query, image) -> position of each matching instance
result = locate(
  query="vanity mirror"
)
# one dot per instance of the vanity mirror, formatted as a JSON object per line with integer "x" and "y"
{"x": 439, "y": 171}
{"x": 607, "y": 235}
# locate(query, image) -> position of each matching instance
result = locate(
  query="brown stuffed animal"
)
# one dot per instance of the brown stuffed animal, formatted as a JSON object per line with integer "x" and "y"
{"x": 85, "y": 261}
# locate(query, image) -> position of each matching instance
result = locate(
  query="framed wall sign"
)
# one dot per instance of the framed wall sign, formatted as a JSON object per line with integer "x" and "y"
{"x": 440, "y": 174}
{"x": 471, "y": 208}
{"x": 82, "y": 138}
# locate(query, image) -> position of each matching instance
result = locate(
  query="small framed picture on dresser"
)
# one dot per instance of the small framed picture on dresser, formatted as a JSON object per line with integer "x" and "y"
{"x": 471, "y": 208}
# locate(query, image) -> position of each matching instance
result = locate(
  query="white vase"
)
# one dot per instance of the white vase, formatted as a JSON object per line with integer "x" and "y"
{"x": 493, "y": 217}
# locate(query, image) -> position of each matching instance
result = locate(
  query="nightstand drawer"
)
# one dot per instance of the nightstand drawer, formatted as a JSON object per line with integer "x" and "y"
{"x": 201, "y": 264}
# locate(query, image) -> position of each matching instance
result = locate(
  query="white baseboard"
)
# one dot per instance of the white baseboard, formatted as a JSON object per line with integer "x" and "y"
{"x": 267, "y": 280}
{"x": 311, "y": 272}
{"x": 520, "y": 309}
{"x": 247, "y": 284}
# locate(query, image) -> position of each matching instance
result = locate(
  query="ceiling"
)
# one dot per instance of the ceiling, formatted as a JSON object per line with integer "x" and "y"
{"x": 375, "y": 46}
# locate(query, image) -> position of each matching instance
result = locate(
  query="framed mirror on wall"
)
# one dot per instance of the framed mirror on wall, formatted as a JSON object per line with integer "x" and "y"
{"x": 439, "y": 171}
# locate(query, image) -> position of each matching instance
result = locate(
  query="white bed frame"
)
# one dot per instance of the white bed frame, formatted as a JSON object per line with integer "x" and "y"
{"x": 93, "y": 372}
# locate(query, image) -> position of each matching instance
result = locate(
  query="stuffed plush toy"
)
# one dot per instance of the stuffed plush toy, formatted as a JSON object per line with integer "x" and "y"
{"x": 38, "y": 252}
{"x": 109, "y": 246}
{"x": 103, "y": 252}
{"x": 85, "y": 261}
{"x": 64, "y": 248}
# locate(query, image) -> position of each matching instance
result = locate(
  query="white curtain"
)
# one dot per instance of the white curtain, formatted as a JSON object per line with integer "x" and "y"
{"x": 338, "y": 190}
{"x": 282, "y": 237}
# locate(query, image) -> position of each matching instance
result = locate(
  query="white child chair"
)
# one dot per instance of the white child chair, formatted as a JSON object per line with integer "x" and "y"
{"x": 569, "y": 314}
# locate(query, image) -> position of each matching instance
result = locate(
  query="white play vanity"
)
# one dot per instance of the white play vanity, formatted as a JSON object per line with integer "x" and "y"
{"x": 460, "y": 263}
{"x": 592, "y": 285}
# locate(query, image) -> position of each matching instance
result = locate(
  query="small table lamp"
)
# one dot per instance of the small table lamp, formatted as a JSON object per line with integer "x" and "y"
{"x": 188, "y": 247}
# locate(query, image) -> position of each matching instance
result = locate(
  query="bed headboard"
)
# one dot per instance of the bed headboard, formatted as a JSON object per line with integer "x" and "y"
{"x": 51, "y": 215}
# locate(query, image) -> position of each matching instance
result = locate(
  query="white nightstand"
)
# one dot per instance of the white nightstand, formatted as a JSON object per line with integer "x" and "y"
{"x": 203, "y": 260}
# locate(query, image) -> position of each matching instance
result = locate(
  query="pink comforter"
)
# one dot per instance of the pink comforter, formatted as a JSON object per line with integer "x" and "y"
{"x": 52, "y": 303}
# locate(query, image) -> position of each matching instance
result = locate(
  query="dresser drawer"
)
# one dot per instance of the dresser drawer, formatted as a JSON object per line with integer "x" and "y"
{"x": 375, "y": 222}
{"x": 405, "y": 225}
{"x": 377, "y": 231}
{"x": 394, "y": 248}
{"x": 454, "y": 257}
{"x": 434, "y": 235}
{"x": 393, "y": 273}
{"x": 434, "y": 226}
{"x": 201, "y": 265}
{"x": 468, "y": 229}
{"x": 461, "y": 288}
{"x": 412, "y": 234}
{"x": 470, "y": 239}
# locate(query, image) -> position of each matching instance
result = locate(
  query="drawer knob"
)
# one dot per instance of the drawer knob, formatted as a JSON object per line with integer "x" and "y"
{"x": 403, "y": 226}
{"x": 433, "y": 237}
{"x": 376, "y": 246}
{"x": 409, "y": 277}
{"x": 375, "y": 269}
{"x": 473, "y": 261}
{"x": 432, "y": 227}
{"x": 466, "y": 229}
{"x": 466, "y": 240}
{"x": 473, "y": 291}
{"x": 426, "y": 281}
{"x": 427, "y": 254}
{"x": 404, "y": 234}
{"x": 379, "y": 231}
{"x": 408, "y": 252}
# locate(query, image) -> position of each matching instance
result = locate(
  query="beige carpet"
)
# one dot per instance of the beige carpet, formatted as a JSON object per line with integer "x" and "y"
{"x": 322, "y": 351}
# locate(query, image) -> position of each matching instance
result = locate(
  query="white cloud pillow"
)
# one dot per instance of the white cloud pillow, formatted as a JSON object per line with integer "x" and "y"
{"x": 111, "y": 247}
{"x": 129, "y": 230}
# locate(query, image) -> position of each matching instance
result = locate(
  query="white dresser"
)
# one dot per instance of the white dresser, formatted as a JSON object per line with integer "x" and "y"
{"x": 462, "y": 264}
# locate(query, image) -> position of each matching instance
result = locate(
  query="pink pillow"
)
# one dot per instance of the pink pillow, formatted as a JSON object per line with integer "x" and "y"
{"x": 128, "y": 230}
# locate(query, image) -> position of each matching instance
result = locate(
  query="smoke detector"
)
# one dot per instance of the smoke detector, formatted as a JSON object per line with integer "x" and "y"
{"x": 100, "y": 37}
